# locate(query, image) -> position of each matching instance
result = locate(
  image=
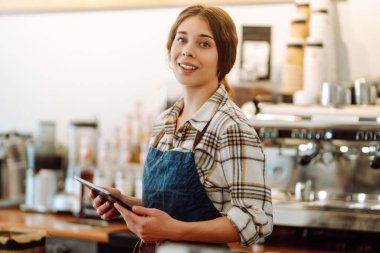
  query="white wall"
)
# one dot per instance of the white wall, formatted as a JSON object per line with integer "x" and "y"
{"x": 81, "y": 65}
{"x": 358, "y": 38}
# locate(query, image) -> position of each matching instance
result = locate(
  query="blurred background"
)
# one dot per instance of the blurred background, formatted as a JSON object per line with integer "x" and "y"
{"x": 81, "y": 83}
{"x": 74, "y": 64}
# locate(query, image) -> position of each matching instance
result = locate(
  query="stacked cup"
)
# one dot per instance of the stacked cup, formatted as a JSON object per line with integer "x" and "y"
{"x": 292, "y": 73}
{"x": 319, "y": 63}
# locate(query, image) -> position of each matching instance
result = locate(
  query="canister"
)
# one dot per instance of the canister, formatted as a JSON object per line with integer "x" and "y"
{"x": 319, "y": 24}
{"x": 299, "y": 27}
{"x": 22, "y": 240}
{"x": 303, "y": 7}
{"x": 315, "y": 71}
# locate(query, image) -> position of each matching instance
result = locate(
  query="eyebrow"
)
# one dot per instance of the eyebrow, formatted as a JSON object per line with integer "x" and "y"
{"x": 200, "y": 35}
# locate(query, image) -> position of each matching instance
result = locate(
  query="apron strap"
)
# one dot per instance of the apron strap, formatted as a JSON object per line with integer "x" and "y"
{"x": 142, "y": 247}
{"x": 199, "y": 136}
{"x": 158, "y": 138}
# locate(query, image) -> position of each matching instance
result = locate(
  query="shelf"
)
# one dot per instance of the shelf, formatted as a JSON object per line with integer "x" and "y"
{"x": 11, "y": 6}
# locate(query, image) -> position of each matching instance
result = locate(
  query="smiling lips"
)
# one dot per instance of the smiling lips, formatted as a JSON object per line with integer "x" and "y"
{"x": 187, "y": 67}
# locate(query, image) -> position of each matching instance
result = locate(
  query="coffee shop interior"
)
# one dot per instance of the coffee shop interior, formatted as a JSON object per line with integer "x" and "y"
{"x": 83, "y": 81}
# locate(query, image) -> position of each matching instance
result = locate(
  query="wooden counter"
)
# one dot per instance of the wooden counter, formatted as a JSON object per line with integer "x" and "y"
{"x": 58, "y": 225}
{"x": 64, "y": 226}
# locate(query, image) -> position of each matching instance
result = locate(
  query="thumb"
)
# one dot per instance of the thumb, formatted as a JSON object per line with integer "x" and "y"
{"x": 123, "y": 211}
{"x": 143, "y": 211}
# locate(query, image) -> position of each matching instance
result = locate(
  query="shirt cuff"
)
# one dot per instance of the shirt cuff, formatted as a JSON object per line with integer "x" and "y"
{"x": 250, "y": 227}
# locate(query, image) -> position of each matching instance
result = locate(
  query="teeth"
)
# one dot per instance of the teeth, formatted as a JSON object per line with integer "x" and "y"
{"x": 187, "y": 66}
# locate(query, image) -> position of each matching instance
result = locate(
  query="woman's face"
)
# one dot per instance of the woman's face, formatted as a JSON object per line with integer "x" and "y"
{"x": 193, "y": 55}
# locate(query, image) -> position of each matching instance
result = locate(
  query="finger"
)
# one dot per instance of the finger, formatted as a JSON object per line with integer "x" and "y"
{"x": 112, "y": 212}
{"x": 98, "y": 201}
{"x": 127, "y": 215}
{"x": 104, "y": 208}
{"x": 143, "y": 211}
{"x": 93, "y": 194}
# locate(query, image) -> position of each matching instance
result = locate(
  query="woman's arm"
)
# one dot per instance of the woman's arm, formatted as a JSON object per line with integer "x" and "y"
{"x": 219, "y": 230}
{"x": 132, "y": 201}
{"x": 153, "y": 225}
{"x": 242, "y": 163}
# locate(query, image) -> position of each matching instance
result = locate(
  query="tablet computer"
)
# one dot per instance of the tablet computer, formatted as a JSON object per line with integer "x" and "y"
{"x": 104, "y": 193}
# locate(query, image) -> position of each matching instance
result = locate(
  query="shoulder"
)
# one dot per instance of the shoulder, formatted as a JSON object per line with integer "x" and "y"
{"x": 237, "y": 139}
{"x": 230, "y": 119}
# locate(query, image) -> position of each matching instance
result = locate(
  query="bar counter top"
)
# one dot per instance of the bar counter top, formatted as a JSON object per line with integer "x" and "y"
{"x": 66, "y": 226}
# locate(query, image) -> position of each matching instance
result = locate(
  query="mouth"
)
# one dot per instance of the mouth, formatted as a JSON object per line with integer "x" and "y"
{"x": 187, "y": 67}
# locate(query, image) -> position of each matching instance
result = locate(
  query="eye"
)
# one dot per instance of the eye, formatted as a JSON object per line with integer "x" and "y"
{"x": 181, "y": 40}
{"x": 205, "y": 44}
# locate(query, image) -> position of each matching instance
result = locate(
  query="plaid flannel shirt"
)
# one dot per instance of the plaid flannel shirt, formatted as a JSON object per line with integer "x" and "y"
{"x": 229, "y": 160}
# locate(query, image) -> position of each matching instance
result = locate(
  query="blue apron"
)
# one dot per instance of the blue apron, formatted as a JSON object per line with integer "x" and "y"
{"x": 171, "y": 184}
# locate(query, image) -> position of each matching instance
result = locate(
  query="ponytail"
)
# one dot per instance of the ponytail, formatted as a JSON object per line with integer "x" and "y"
{"x": 228, "y": 88}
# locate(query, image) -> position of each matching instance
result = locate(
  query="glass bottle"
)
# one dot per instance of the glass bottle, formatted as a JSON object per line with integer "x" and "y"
{"x": 85, "y": 170}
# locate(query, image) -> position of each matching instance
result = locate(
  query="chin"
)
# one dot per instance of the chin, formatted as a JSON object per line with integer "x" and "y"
{"x": 187, "y": 81}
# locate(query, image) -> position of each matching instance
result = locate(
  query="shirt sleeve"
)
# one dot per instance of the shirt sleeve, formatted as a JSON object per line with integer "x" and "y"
{"x": 242, "y": 161}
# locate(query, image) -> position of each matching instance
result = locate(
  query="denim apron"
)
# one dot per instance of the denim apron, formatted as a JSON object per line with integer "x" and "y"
{"x": 171, "y": 184}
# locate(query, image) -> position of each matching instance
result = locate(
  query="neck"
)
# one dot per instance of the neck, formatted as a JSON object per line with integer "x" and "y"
{"x": 195, "y": 97}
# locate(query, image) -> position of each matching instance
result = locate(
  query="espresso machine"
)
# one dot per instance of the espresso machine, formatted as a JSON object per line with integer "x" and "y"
{"x": 324, "y": 166}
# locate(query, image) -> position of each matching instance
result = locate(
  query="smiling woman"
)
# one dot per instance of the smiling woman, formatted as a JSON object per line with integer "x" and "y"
{"x": 204, "y": 179}
{"x": 67, "y": 5}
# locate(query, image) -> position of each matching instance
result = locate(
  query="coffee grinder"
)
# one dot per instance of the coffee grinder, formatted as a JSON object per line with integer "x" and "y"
{"x": 82, "y": 150}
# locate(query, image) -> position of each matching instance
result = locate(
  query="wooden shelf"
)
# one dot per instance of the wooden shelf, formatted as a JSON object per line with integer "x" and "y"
{"x": 61, "y": 5}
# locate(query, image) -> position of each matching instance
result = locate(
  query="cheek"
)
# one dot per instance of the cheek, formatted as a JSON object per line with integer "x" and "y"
{"x": 213, "y": 61}
{"x": 171, "y": 60}
{"x": 174, "y": 51}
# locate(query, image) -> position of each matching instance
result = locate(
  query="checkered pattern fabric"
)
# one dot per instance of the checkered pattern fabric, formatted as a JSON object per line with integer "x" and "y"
{"x": 229, "y": 160}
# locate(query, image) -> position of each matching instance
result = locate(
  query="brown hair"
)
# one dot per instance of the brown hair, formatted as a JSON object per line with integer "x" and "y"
{"x": 224, "y": 32}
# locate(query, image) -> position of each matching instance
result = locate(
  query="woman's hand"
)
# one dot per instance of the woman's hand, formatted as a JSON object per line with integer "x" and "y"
{"x": 150, "y": 224}
{"x": 104, "y": 208}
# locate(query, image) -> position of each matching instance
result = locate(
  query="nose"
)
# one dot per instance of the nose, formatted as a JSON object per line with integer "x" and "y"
{"x": 187, "y": 51}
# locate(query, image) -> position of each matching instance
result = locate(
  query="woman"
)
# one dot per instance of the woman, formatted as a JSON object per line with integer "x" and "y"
{"x": 204, "y": 178}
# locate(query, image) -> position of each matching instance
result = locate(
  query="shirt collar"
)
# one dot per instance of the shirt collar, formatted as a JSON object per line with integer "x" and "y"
{"x": 208, "y": 109}
{"x": 202, "y": 116}
{"x": 171, "y": 117}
